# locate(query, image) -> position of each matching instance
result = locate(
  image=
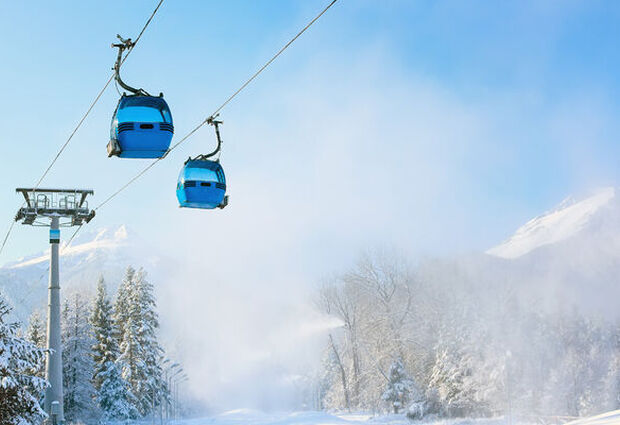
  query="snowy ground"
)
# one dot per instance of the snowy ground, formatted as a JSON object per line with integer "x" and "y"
{"x": 609, "y": 418}
{"x": 251, "y": 417}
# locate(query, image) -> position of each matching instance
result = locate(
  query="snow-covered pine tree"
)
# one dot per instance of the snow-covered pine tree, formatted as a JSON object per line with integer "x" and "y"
{"x": 141, "y": 355}
{"x": 105, "y": 348}
{"x": 418, "y": 404}
{"x": 123, "y": 303}
{"x": 19, "y": 387}
{"x": 154, "y": 384}
{"x": 112, "y": 391}
{"x": 612, "y": 380}
{"x": 128, "y": 317}
{"x": 36, "y": 330}
{"x": 36, "y": 334}
{"x": 613, "y": 375}
{"x": 451, "y": 377}
{"x": 77, "y": 362}
{"x": 567, "y": 389}
{"x": 399, "y": 386}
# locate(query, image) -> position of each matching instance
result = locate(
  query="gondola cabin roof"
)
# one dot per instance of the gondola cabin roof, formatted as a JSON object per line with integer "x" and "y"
{"x": 143, "y": 109}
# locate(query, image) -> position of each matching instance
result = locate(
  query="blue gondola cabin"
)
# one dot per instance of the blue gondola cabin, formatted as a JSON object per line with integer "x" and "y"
{"x": 141, "y": 127}
{"x": 202, "y": 184}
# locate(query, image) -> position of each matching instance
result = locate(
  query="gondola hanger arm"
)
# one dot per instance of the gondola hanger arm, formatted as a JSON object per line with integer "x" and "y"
{"x": 125, "y": 44}
{"x": 216, "y": 123}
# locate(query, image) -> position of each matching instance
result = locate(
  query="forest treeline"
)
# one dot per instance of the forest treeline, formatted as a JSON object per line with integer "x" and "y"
{"x": 430, "y": 343}
{"x": 113, "y": 363}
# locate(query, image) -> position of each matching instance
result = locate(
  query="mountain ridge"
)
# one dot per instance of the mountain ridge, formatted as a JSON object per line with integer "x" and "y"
{"x": 561, "y": 223}
{"x": 105, "y": 252}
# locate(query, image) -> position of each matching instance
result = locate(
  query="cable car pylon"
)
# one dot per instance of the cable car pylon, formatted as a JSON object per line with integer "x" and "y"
{"x": 54, "y": 204}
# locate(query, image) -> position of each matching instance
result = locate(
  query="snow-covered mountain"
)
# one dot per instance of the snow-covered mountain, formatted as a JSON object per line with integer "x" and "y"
{"x": 568, "y": 257}
{"x": 104, "y": 252}
{"x": 567, "y": 220}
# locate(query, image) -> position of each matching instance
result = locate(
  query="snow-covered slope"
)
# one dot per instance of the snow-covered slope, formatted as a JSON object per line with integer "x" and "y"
{"x": 567, "y": 220}
{"x": 104, "y": 252}
{"x": 609, "y": 418}
{"x": 566, "y": 258}
{"x": 103, "y": 240}
{"x": 252, "y": 417}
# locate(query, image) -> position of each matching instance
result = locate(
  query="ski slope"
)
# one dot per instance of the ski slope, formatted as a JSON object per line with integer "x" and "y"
{"x": 252, "y": 417}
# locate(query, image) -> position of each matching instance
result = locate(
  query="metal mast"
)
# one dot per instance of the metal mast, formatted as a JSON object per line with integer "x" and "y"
{"x": 52, "y": 205}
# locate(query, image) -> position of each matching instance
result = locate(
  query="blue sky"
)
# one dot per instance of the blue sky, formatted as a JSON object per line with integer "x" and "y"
{"x": 435, "y": 126}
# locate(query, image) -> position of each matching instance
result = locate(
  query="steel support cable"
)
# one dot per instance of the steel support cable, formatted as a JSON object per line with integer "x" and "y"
{"x": 133, "y": 179}
{"x": 217, "y": 111}
{"x": 65, "y": 145}
{"x": 6, "y": 237}
{"x": 81, "y": 121}
{"x": 316, "y": 18}
{"x": 205, "y": 121}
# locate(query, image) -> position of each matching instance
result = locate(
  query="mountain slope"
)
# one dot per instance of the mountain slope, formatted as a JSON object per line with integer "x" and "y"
{"x": 105, "y": 252}
{"x": 566, "y": 258}
{"x": 567, "y": 220}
